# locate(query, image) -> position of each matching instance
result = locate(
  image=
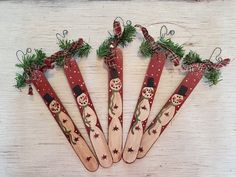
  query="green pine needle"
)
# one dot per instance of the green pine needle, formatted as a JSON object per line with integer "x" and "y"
{"x": 212, "y": 76}
{"x": 145, "y": 49}
{"x": 64, "y": 44}
{"x": 35, "y": 59}
{"x": 128, "y": 35}
{"x": 20, "y": 80}
{"x": 84, "y": 50}
{"x": 191, "y": 58}
{"x": 28, "y": 61}
{"x": 104, "y": 48}
{"x": 176, "y": 48}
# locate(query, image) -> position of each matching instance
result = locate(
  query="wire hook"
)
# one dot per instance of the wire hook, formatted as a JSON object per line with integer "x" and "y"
{"x": 217, "y": 57}
{"x": 27, "y": 51}
{"x": 63, "y": 35}
{"x": 163, "y": 34}
{"x": 120, "y": 19}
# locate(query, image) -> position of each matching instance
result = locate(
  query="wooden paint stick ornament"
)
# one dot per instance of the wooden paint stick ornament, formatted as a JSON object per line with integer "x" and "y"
{"x": 113, "y": 58}
{"x": 196, "y": 69}
{"x": 66, "y": 57}
{"x": 159, "y": 51}
{"x": 34, "y": 68}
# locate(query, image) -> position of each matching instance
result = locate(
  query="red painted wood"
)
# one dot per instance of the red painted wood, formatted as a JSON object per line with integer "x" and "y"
{"x": 154, "y": 71}
{"x": 88, "y": 112}
{"x": 115, "y": 106}
{"x": 64, "y": 121}
{"x": 164, "y": 117}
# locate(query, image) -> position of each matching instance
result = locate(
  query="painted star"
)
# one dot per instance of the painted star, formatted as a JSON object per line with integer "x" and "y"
{"x": 76, "y": 139}
{"x": 115, "y": 151}
{"x": 115, "y": 107}
{"x": 137, "y": 128}
{"x": 104, "y": 157}
{"x": 96, "y": 135}
{"x": 141, "y": 149}
{"x": 144, "y": 107}
{"x": 154, "y": 131}
{"x": 167, "y": 114}
{"x": 115, "y": 128}
{"x": 130, "y": 149}
{"x": 88, "y": 158}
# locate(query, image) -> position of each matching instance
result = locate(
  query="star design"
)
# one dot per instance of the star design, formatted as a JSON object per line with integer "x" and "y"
{"x": 144, "y": 107}
{"x": 96, "y": 135}
{"x": 76, "y": 139}
{"x": 115, "y": 151}
{"x": 115, "y": 128}
{"x": 130, "y": 149}
{"x": 64, "y": 121}
{"x": 88, "y": 158}
{"x": 154, "y": 131}
{"x": 137, "y": 128}
{"x": 166, "y": 114}
{"x": 115, "y": 107}
{"x": 104, "y": 157}
{"x": 141, "y": 149}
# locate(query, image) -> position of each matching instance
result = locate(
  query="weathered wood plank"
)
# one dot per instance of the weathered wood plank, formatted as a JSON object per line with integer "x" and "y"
{"x": 201, "y": 140}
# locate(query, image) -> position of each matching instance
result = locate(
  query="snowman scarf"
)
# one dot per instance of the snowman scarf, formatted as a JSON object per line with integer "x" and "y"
{"x": 195, "y": 72}
{"x": 159, "y": 54}
{"x": 83, "y": 100}
{"x": 35, "y": 75}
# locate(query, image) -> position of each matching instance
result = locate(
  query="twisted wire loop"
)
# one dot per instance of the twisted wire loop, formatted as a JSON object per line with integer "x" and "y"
{"x": 208, "y": 64}
{"x": 158, "y": 47}
{"x": 28, "y": 50}
{"x": 63, "y": 35}
{"x": 164, "y": 32}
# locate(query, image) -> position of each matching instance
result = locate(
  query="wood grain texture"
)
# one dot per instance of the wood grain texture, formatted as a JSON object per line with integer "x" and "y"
{"x": 201, "y": 142}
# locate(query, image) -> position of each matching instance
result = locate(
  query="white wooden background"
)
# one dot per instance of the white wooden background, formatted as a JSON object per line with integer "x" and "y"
{"x": 200, "y": 141}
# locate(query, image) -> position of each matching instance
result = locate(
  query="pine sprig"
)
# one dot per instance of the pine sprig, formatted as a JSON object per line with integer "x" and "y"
{"x": 145, "y": 49}
{"x": 211, "y": 75}
{"x": 64, "y": 43}
{"x": 127, "y": 36}
{"x": 81, "y": 51}
{"x": 104, "y": 48}
{"x": 20, "y": 80}
{"x": 84, "y": 50}
{"x": 27, "y": 62}
{"x": 176, "y": 48}
{"x": 191, "y": 58}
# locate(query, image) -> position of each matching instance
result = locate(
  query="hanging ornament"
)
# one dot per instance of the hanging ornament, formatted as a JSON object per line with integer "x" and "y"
{"x": 110, "y": 51}
{"x": 159, "y": 51}
{"x": 65, "y": 58}
{"x": 196, "y": 69}
{"x": 34, "y": 68}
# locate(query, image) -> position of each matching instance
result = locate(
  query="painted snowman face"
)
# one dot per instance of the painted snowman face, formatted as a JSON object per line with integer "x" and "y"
{"x": 82, "y": 99}
{"x": 55, "y": 107}
{"x": 177, "y": 99}
{"x": 115, "y": 84}
{"x": 147, "y": 92}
